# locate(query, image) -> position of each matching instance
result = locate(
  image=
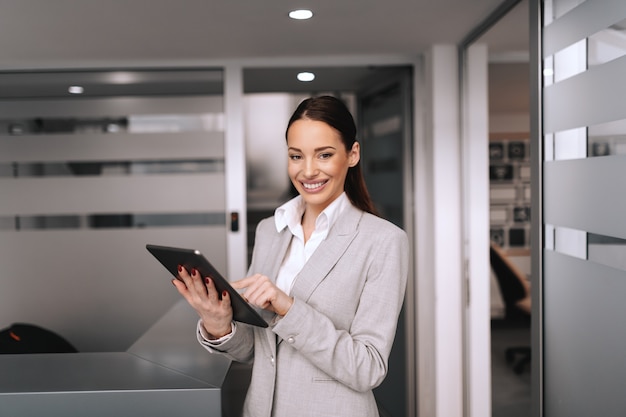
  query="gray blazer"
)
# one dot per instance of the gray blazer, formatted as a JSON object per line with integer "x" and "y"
{"x": 324, "y": 357}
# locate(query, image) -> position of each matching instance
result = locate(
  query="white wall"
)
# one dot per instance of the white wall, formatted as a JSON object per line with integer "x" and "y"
{"x": 439, "y": 237}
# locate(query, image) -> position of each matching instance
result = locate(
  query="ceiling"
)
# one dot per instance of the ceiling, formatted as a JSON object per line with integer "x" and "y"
{"x": 66, "y": 35}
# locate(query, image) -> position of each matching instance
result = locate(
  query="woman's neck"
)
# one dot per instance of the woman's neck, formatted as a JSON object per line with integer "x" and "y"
{"x": 308, "y": 222}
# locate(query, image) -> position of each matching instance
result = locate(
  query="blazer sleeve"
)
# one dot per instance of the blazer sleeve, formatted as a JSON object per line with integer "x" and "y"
{"x": 356, "y": 355}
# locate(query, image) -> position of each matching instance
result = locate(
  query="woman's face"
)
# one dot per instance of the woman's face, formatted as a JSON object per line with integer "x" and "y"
{"x": 318, "y": 162}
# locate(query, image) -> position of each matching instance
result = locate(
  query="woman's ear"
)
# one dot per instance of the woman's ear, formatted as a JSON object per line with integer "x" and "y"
{"x": 355, "y": 154}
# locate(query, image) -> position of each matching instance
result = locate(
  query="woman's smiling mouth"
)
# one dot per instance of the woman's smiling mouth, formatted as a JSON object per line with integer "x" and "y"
{"x": 314, "y": 185}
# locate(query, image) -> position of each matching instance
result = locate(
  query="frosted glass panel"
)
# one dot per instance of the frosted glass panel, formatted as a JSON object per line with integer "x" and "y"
{"x": 583, "y": 278}
{"x": 99, "y": 289}
{"x": 570, "y": 144}
{"x": 114, "y": 195}
{"x": 561, "y": 7}
{"x": 569, "y": 21}
{"x": 85, "y": 185}
{"x": 586, "y": 99}
{"x": 176, "y": 123}
{"x": 117, "y": 147}
{"x": 607, "y": 139}
{"x": 584, "y": 336}
{"x": 607, "y": 45}
{"x": 570, "y": 61}
{"x": 111, "y": 107}
{"x": 570, "y": 242}
{"x": 607, "y": 251}
{"x": 586, "y": 194}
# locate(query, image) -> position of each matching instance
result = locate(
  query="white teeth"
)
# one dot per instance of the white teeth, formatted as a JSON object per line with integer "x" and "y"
{"x": 313, "y": 186}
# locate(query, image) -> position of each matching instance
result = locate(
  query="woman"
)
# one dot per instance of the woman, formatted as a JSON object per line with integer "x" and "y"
{"x": 328, "y": 276}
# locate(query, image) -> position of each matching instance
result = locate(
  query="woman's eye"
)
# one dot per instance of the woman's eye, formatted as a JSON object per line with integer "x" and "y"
{"x": 325, "y": 155}
{"x": 294, "y": 157}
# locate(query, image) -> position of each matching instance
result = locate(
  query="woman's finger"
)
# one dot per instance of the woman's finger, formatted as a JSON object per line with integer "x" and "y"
{"x": 198, "y": 283}
{"x": 245, "y": 282}
{"x": 184, "y": 276}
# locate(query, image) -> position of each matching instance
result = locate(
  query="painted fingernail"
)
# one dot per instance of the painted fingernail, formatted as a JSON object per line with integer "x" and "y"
{"x": 194, "y": 271}
{"x": 224, "y": 293}
{"x": 180, "y": 268}
{"x": 207, "y": 280}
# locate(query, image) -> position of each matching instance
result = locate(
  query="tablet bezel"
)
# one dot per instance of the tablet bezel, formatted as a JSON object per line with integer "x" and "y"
{"x": 171, "y": 257}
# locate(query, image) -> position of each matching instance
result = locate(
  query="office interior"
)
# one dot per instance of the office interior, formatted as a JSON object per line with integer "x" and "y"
{"x": 155, "y": 149}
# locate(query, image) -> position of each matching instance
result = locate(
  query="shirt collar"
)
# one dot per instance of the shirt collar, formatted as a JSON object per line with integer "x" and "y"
{"x": 290, "y": 214}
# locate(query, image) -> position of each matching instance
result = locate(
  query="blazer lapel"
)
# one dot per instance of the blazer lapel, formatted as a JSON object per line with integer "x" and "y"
{"x": 327, "y": 254}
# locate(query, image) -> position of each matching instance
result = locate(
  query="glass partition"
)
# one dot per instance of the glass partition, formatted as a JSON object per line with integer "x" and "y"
{"x": 87, "y": 181}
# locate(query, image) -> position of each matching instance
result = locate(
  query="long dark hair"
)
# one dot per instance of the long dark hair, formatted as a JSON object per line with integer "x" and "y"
{"x": 333, "y": 112}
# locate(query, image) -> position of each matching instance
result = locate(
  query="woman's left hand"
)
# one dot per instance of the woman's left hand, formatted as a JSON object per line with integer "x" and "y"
{"x": 263, "y": 293}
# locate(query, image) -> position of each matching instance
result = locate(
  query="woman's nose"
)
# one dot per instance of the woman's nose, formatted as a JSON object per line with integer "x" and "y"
{"x": 310, "y": 168}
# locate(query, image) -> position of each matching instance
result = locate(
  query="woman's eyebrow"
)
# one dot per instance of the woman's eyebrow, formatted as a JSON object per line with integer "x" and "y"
{"x": 323, "y": 148}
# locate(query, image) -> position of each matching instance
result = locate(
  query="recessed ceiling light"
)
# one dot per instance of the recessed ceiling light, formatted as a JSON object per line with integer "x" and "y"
{"x": 301, "y": 14}
{"x": 76, "y": 89}
{"x": 306, "y": 76}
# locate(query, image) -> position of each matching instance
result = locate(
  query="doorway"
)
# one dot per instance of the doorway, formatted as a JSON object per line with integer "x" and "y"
{"x": 380, "y": 101}
{"x": 508, "y": 161}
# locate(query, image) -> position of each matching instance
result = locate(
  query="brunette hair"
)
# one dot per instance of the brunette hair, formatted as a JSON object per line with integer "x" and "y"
{"x": 333, "y": 112}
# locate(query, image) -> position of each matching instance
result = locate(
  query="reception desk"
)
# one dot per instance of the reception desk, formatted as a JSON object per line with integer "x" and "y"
{"x": 164, "y": 373}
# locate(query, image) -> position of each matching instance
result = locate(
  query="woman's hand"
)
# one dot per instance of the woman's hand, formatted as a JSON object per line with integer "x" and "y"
{"x": 216, "y": 314}
{"x": 262, "y": 292}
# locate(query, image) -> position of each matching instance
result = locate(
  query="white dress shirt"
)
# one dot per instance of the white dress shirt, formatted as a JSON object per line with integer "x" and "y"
{"x": 290, "y": 215}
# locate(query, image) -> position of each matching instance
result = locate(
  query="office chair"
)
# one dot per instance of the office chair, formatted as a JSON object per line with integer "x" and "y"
{"x": 515, "y": 291}
{"x": 29, "y": 338}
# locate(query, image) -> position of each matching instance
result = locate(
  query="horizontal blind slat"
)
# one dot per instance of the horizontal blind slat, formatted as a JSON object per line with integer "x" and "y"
{"x": 112, "y": 147}
{"x": 84, "y": 195}
{"x": 111, "y": 106}
{"x": 587, "y": 194}
{"x": 603, "y": 95}
{"x": 583, "y": 21}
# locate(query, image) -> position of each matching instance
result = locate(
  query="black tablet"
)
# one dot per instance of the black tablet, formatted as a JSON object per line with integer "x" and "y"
{"x": 170, "y": 258}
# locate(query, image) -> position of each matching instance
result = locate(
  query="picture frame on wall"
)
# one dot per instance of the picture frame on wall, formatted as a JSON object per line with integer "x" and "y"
{"x": 521, "y": 214}
{"x": 517, "y": 150}
{"x": 496, "y": 151}
{"x": 501, "y": 172}
{"x": 509, "y": 192}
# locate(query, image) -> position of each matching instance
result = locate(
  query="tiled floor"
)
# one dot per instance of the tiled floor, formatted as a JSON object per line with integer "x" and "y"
{"x": 510, "y": 391}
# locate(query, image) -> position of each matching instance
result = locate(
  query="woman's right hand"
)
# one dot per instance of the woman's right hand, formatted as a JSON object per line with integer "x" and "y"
{"x": 216, "y": 314}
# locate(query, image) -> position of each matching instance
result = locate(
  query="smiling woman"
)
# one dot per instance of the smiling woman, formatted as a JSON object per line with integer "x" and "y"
{"x": 328, "y": 276}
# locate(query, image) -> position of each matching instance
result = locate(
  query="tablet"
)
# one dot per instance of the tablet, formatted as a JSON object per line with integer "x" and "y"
{"x": 171, "y": 257}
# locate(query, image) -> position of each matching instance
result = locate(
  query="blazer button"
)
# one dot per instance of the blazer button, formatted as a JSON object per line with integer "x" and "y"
{"x": 272, "y": 360}
{"x": 291, "y": 340}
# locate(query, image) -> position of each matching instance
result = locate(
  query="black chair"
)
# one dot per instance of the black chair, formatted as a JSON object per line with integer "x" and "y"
{"x": 515, "y": 291}
{"x": 29, "y": 338}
